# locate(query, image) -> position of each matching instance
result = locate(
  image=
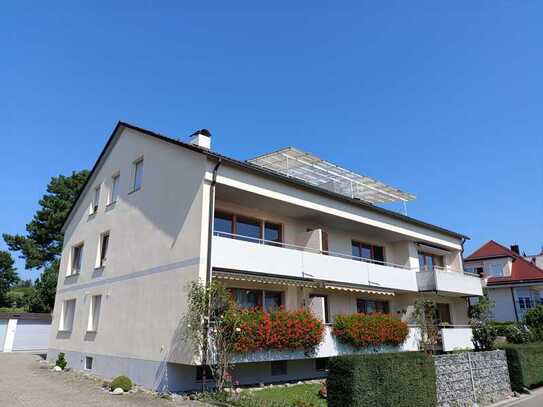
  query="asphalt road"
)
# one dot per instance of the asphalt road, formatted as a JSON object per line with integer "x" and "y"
{"x": 25, "y": 382}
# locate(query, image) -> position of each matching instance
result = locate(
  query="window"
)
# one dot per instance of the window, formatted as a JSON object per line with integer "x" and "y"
{"x": 114, "y": 193}
{"x": 273, "y": 233}
{"x": 525, "y": 303}
{"x": 138, "y": 174}
{"x": 95, "y": 201}
{"x": 246, "y": 298}
{"x": 103, "y": 246}
{"x": 200, "y": 373}
{"x": 363, "y": 251}
{"x": 88, "y": 363}
{"x": 67, "y": 316}
{"x": 77, "y": 255}
{"x": 321, "y": 364}
{"x": 428, "y": 261}
{"x": 443, "y": 313}
{"x": 496, "y": 270}
{"x": 94, "y": 313}
{"x": 246, "y": 227}
{"x": 279, "y": 368}
{"x": 372, "y": 306}
{"x": 223, "y": 224}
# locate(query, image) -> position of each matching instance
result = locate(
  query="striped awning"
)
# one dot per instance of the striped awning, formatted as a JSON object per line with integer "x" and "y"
{"x": 263, "y": 279}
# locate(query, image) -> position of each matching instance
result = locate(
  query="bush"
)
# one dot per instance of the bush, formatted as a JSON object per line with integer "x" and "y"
{"x": 123, "y": 382}
{"x": 534, "y": 320}
{"x": 525, "y": 365}
{"x": 61, "y": 361}
{"x": 278, "y": 330}
{"x": 482, "y": 325}
{"x": 518, "y": 334}
{"x": 503, "y": 328}
{"x": 363, "y": 330}
{"x": 405, "y": 379}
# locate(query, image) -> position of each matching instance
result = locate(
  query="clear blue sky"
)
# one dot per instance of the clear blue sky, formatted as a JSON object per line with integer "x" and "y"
{"x": 442, "y": 100}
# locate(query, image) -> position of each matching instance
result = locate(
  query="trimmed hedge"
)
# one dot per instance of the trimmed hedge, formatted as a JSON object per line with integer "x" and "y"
{"x": 525, "y": 365}
{"x": 405, "y": 379}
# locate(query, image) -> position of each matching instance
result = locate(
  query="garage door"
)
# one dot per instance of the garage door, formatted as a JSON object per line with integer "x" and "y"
{"x": 31, "y": 335}
{"x": 3, "y": 327}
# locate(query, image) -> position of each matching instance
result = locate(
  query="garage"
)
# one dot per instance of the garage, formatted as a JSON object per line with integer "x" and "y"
{"x": 24, "y": 331}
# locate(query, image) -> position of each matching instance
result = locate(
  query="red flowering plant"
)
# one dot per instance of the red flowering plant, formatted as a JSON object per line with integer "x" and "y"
{"x": 363, "y": 330}
{"x": 278, "y": 329}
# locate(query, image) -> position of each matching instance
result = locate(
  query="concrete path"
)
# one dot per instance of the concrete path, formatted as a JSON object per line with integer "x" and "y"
{"x": 535, "y": 399}
{"x": 24, "y": 382}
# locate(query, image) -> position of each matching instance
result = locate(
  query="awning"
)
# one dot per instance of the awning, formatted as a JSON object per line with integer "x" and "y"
{"x": 264, "y": 279}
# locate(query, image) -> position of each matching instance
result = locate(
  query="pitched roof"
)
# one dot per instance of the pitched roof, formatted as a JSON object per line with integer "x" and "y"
{"x": 522, "y": 269}
{"x": 252, "y": 167}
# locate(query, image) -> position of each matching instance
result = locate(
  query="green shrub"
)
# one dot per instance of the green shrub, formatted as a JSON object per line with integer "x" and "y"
{"x": 525, "y": 365}
{"x": 61, "y": 361}
{"x": 518, "y": 334}
{"x": 534, "y": 321}
{"x": 405, "y": 379}
{"x": 123, "y": 382}
{"x": 363, "y": 330}
{"x": 503, "y": 328}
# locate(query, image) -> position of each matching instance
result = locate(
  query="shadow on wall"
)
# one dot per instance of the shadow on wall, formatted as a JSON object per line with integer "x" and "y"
{"x": 175, "y": 376}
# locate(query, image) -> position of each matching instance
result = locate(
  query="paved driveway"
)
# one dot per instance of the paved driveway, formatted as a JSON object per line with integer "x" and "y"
{"x": 24, "y": 382}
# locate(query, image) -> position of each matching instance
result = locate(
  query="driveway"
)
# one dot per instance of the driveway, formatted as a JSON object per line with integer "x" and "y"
{"x": 25, "y": 382}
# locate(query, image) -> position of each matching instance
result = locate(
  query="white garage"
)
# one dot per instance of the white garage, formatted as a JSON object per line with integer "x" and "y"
{"x": 24, "y": 331}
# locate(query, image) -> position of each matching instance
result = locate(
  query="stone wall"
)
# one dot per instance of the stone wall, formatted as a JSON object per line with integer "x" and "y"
{"x": 469, "y": 377}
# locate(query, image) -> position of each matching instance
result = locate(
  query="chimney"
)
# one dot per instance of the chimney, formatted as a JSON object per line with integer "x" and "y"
{"x": 201, "y": 138}
{"x": 515, "y": 248}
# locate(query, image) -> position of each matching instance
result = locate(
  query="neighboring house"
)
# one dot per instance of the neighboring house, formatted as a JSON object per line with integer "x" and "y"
{"x": 514, "y": 283}
{"x": 285, "y": 229}
{"x": 536, "y": 259}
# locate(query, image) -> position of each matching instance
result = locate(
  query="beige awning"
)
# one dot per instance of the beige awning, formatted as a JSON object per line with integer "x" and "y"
{"x": 263, "y": 279}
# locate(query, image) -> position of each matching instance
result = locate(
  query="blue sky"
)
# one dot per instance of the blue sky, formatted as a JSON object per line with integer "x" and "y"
{"x": 442, "y": 100}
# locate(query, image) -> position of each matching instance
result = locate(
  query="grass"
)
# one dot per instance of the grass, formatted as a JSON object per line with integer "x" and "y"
{"x": 308, "y": 393}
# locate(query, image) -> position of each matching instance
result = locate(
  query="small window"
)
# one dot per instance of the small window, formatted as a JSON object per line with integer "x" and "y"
{"x": 223, "y": 224}
{"x": 95, "y": 201}
{"x": 88, "y": 363}
{"x": 114, "y": 193}
{"x": 94, "y": 313}
{"x": 363, "y": 251}
{"x": 321, "y": 364}
{"x": 279, "y": 368}
{"x": 496, "y": 270}
{"x": 272, "y": 300}
{"x": 138, "y": 174}
{"x": 372, "y": 306}
{"x": 67, "y": 316}
{"x": 525, "y": 303}
{"x": 273, "y": 234}
{"x": 247, "y": 299}
{"x": 77, "y": 255}
{"x": 104, "y": 243}
{"x": 200, "y": 373}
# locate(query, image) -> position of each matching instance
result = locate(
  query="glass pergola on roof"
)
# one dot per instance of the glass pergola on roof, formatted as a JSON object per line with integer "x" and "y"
{"x": 307, "y": 167}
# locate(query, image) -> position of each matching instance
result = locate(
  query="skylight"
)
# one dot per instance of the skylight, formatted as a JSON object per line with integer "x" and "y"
{"x": 304, "y": 166}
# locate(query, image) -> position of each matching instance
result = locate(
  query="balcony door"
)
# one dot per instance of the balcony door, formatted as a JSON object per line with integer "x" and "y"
{"x": 427, "y": 261}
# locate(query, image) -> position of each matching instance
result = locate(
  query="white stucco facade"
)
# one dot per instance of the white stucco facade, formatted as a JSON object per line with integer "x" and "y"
{"x": 158, "y": 238}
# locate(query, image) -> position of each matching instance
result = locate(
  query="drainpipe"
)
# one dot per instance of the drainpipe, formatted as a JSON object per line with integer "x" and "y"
{"x": 209, "y": 265}
{"x": 514, "y": 304}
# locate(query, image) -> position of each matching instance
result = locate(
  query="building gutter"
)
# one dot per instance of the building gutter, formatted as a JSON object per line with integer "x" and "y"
{"x": 211, "y": 215}
{"x": 514, "y": 304}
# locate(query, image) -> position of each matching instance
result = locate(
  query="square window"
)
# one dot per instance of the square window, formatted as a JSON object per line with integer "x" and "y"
{"x": 321, "y": 364}
{"x": 279, "y": 368}
{"x": 67, "y": 316}
{"x": 88, "y": 363}
{"x": 77, "y": 256}
{"x": 94, "y": 313}
{"x": 223, "y": 224}
{"x": 138, "y": 174}
{"x": 496, "y": 270}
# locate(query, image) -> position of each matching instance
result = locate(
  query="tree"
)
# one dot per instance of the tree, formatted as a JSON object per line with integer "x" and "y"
{"x": 427, "y": 322}
{"x": 481, "y": 322}
{"x": 42, "y": 245}
{"x": 212, "y": 324}
{"x": 8, "y": 276}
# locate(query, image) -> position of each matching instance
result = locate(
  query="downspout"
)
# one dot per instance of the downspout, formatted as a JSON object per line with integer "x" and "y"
{"x": 514, "y": 303}
{"x": 209, "y": 265}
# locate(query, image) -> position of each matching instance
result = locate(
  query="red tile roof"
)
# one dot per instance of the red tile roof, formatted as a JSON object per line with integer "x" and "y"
{"x": 522, "y": 270}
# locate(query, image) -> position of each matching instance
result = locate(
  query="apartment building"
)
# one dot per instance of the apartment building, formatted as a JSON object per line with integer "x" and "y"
{"x": 283, "y": 229}
{"x": 513, "y": 282}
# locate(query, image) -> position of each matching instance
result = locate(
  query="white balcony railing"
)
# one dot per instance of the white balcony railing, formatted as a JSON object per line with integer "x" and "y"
{"x": 279, "y": 259}
{"x": 446, "y": 280}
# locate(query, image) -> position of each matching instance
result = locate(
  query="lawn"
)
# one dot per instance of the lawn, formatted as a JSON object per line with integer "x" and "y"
{"x": 308, "y": 393}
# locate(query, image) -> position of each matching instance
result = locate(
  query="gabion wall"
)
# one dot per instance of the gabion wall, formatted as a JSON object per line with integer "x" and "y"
{"x": 472, "y": 377}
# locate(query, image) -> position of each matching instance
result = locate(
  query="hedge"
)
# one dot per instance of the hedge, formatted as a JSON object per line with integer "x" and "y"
{"x": 525, "y": 365}
{"x": 405, "y": 379}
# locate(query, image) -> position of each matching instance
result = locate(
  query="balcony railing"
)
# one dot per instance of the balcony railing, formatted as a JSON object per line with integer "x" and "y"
{"x": 234, "y": 252}
{"x": 448, "y": 280}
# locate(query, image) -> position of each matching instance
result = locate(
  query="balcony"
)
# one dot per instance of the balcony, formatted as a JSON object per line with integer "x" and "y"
{"x": 447, "y": 281}
{"x": 278, "y": 259}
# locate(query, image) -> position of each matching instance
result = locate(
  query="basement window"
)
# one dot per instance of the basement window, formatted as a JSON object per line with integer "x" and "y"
{"x": 200, "y": 373}
{"x": 88, "y": 363}
{"x": 321, "y": 364}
